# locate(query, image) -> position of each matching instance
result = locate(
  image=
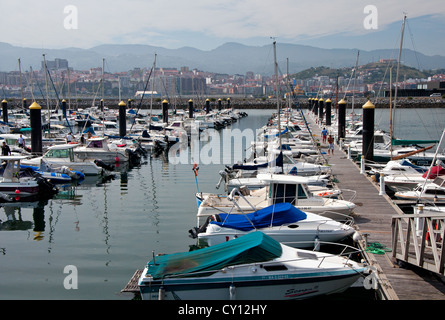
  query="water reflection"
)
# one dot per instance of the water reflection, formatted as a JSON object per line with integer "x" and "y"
{"x": 15, "y": 222}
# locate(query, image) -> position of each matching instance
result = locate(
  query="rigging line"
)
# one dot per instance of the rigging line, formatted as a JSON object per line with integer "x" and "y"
{"x": 414, "y": 47}
{"x": 30, "y": 82}
{"x": 57, "y": 96}
{"x": 142, "y": 96}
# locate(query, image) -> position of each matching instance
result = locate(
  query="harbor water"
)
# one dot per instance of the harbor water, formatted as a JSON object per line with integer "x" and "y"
{"x": 87, "y": 241}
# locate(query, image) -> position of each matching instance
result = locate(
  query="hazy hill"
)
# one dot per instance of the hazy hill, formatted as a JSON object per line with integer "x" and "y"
{"x": 372, "y": 72}
{"x": 230, "y": 58}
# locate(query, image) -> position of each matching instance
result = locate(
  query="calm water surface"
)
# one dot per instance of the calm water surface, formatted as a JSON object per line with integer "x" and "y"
{"x": 108, "y": 229}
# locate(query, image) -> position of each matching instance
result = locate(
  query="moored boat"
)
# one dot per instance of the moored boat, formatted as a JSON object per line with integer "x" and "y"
{"x": 282, "y": 222}
{"x": 251, "y": 267}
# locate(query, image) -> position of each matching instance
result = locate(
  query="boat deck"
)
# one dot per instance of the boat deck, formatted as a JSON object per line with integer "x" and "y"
{"x": 373, "y": 217}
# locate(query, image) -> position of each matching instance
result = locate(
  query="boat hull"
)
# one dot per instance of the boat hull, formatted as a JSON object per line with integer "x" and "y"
{"x": 295, "y": 235}
{"x": 107, "y": 157}
{"x": 283, "y": 286}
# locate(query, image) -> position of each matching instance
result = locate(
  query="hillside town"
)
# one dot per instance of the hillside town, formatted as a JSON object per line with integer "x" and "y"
{"x": 61, "y": 80}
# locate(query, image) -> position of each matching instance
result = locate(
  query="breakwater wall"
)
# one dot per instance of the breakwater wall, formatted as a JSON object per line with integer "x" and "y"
{"x": 237, "y": 103}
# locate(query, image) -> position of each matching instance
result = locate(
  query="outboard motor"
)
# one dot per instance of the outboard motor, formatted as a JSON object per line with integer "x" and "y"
{"x": 46, "y": 188}
{"x": 103, "y": 165}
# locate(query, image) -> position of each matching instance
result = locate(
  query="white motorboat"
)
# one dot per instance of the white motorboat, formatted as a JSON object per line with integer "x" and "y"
{"x": 98, "y": 148}
{"x": 255, "y": 183}
{"x": 251, "y": 267}
{"x": 278, "y": 162}
{"x": 282, "y": 222}
{"x": 426, "y": 192}
{"x": 279, "y": 188}
{"x": 14, "y": 187}
{"x": 409, "y": 181}
{"x": 394, "y": 167}
{"x": 62, "y": 155}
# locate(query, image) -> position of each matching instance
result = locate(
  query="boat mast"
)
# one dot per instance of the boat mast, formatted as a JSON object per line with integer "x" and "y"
{"x": 152, "y": 88}
{"x": 47, "y": 92}
{"x": 390, "y": 110}
{"x": 398, "y": 68}
{"x": 103, "y": 96}
{"x": 355, "y": 86}
{"x": 21, "y": 85}
{"x": 276, "y": 89}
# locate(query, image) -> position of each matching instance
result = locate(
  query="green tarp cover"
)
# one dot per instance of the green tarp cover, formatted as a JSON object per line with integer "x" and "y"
{"x": 401, "y": 142}
{"x": 250, "y": 248}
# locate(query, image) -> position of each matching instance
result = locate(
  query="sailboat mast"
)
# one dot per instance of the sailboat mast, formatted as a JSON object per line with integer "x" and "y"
{"x": 398, "y": 63}
{"x": 355, "y": 86}
{"x": 152, "y": 88}
{"x": 278, "y": 100}
{"x": 103, "y": 96}
{"x": 276, "y": 90}
{"x": 46, "y": 85}
{"x": 390, "y": 110}
{"x": 21, "y": 85}
{"x": 397, "y": 79}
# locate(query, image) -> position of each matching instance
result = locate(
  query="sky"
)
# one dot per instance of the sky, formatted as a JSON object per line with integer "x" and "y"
{"x": 207, "y": 24}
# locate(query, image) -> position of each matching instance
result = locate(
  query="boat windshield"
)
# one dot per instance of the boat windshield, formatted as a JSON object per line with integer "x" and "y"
{"x": 60, "y": 153}
{"x": 95, "y": 144}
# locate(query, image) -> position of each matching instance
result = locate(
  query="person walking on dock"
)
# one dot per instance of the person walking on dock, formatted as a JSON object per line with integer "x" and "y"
{"x": 324, "y": 133}
{"x": 331, "y": 145}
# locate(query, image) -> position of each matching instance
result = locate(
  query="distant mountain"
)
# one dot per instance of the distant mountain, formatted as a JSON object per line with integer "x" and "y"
{"x": 230, "y": 58}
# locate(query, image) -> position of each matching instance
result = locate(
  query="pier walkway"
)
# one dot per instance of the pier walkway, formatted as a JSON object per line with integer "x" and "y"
{"x": 373, "y": 216}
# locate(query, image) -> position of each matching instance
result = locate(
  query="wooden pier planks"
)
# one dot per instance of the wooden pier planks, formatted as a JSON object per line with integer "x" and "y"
{"x": 373, "y": 217}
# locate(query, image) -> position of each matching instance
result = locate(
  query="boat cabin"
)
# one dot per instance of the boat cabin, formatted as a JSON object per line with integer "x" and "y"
{"x": 61, "y": 151}
{"x": 97, "y": 143}
{"x": 285, "y": 188}
{"x": 11, "y": 167}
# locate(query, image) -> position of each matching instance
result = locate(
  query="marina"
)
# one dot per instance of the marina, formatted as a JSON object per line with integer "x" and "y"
{"x": 272, "y": 233}
{"x": 169, "y": 165}
{"x": 92, "y": 225}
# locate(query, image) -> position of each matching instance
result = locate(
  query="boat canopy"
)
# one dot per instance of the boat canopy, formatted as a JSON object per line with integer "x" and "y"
{"x": 434, "y": 172}
{"x": 402, "y": 142}
{"x": 274, "y": 215}
{"x": 250, "y": 248}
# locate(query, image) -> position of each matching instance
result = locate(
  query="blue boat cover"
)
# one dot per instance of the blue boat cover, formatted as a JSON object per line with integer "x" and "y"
{"x": 268, "y": 136}
{"x": 250, "y": 248}
{"x": 408, "y": 163}
{"x": 274, "y": 215}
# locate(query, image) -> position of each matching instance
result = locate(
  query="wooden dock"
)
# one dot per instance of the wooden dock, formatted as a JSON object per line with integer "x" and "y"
{"x": 373, "y": 217}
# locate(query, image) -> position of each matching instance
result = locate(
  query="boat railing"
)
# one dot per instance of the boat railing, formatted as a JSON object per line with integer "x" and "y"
{"x": 419, "y": 239}
{"x": 341, "y": 217}
{"x": 353, "y": 194}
